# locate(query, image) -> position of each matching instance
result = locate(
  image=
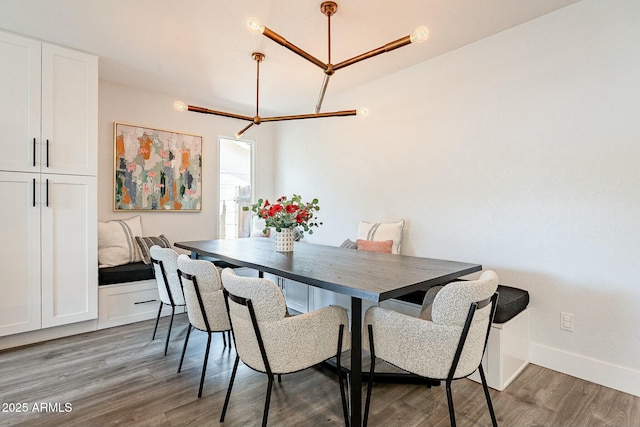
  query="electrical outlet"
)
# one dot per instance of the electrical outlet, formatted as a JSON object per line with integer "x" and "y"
{"x": 566, "y": 321}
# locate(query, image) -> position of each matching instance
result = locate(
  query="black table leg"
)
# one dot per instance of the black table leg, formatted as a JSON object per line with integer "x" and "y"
{"x": 356, "y": 361}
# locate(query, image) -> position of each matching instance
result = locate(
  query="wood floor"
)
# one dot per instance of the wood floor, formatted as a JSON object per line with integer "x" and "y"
{"x": 120, "y": 377}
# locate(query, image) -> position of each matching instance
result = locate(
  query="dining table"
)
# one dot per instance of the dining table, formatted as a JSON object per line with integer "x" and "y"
{"x": 358, "y": 274}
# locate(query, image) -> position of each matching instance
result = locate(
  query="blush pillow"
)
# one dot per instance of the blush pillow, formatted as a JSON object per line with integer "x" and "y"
{"x": 381, "y": 231}
{"x": 375, "y": 245}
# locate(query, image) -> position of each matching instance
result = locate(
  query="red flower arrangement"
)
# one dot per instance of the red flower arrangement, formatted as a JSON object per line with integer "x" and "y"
{"x": 288, "y": 213}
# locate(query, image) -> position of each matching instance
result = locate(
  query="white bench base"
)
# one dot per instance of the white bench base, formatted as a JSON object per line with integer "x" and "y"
{"x": 123, "y": 303}
{"x": 507, "y": 351}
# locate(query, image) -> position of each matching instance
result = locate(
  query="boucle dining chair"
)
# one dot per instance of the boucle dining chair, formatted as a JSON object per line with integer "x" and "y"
{"x": 165, "y": 270}
{"x": 447, "y": 343}
{"x": 206, "y": 309}
{"x": 268, "y": 341}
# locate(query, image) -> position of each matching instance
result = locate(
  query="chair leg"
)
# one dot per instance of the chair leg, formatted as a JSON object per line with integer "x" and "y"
{"x": 204, "y": 365}
{"x": 166, "y": 345}
{"x": 266, "y": 402}
{"x": 279, "y": 378}
{"x": 157, "y": 320}
{"x": 343, "y": 397}
{"x": 184, "y": 348}
{"x": 224, "y": 339}
{"x": 486, "y": 395}
{"x": 371, "y": 372}
{"x": 452, "y": 416}
{"x": 226, "y": 399}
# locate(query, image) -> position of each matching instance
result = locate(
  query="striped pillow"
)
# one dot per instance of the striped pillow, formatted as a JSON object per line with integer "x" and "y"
{"x": 116, "y": 243}
{"x": 145, "y": 244}
{"x": 349, "y": 244}
{"x": 382, "y": 231}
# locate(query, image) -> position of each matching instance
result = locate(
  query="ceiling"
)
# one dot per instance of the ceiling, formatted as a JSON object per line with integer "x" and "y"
{"x": 200, "y": 50}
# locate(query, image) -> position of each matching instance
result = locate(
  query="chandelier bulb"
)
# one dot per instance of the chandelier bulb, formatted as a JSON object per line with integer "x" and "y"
{"x": 420, "y": 34}
{"x": 255, "y": 26}
{"x": 362, "y": 111}
{"x": 180, "y": 106}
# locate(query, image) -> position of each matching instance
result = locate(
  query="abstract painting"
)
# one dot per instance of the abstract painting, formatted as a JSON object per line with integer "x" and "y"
{"x": 156, "y": 170}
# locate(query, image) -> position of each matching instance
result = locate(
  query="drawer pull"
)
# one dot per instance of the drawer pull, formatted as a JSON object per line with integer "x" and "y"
{"x": 145, "y": 302}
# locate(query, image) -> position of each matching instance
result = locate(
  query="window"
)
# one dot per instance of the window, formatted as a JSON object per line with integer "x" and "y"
{"x": 236, "y": 175}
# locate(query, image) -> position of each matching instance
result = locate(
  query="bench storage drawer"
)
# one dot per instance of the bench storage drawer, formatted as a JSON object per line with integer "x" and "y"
{"x": 130, "y": 302}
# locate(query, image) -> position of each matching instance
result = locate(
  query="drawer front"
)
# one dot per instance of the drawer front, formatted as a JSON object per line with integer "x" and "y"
{"x": 128, "y": 303}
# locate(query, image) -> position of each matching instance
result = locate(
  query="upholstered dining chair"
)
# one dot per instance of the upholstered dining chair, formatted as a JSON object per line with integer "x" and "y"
{"x": 268, "y": 341}
{"x": 206, "y": 309}
{"x": 447, "y": 343}
{"x": 165, "y": 270}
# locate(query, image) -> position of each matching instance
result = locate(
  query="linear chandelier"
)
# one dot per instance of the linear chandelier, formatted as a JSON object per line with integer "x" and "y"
{"x": 328, "y": 8}
{"x": 256, "y": 120}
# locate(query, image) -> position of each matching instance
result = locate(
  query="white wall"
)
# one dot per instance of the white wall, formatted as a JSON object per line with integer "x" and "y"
{"x": 154, "y": 109}
{"x": 519, "y": 152}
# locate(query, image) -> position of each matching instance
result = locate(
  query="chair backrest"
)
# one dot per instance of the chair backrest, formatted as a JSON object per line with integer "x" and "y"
{"x": 268, "y": 306}
{"x": 203, "y": 295}
{"x": 165, "y": 269}
{"x": 469, "y": 305}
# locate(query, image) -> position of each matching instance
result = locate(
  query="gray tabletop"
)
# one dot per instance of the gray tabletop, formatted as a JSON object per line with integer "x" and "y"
{"x": 366, "y": 275}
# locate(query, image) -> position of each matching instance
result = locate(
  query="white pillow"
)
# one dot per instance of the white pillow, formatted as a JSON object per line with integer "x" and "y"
{"x": 116, "y": 242}
{"x": 381, "y": 231}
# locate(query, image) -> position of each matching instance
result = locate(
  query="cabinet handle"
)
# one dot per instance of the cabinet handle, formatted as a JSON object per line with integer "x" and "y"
{"x": 47, "y": 153}
{"x": 34, "y": 152}
{"x": 145, "y": 302}
{"x": 47, "y": 192}
{"x": 34, "y": 192}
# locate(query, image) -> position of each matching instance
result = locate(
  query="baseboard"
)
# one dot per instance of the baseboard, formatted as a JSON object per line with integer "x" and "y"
{"x": 47, "y": 334}
{"x": 596, "y": 371}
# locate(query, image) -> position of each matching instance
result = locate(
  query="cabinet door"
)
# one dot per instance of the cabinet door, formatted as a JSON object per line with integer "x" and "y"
{"x": 296, "y": 294}
{"x": 19, "y": 103}
{"x": 69, "y": 249}
{"x": 19, "y": 253}
{"x": 69, "y": 111}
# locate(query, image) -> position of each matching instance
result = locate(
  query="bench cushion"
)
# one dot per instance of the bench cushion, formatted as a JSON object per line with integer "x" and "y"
{"x": 510, "y": 302}
{"x": 131, "y": 272}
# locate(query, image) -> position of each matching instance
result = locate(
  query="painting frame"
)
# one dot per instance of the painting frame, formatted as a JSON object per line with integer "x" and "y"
{"x": 156, "y": 170}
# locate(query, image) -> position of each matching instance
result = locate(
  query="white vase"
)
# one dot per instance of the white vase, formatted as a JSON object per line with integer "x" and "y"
{"x": 284, "y": 240}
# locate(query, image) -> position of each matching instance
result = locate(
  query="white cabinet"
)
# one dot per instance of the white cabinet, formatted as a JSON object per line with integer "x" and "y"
{"x": 20, "y": 103}
{"x": 48, "y": 167}
{"x": 48, "y": 108}
{"x": 69, "y": 112}
{"x": 69, "y": 237}
{"x": 19, "y": 254}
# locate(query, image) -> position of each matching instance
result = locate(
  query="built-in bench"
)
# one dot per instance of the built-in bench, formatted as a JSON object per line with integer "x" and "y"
{"x": 508, "y": 347}
{"x": 127, "y": 293}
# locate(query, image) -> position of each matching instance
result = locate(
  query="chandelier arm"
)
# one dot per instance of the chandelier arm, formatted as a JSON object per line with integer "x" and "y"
{"x": 295, "y": 49}
{"x": 382, "y": 49}
{"x": 246, "y": 128}
{"x": 310, "y": 116}
{"x": 218, "y": 113}
{"x": 323, "y": 90}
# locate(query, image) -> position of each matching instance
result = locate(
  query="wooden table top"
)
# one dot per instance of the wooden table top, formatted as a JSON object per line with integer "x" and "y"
{"x": 361, "y": 274}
